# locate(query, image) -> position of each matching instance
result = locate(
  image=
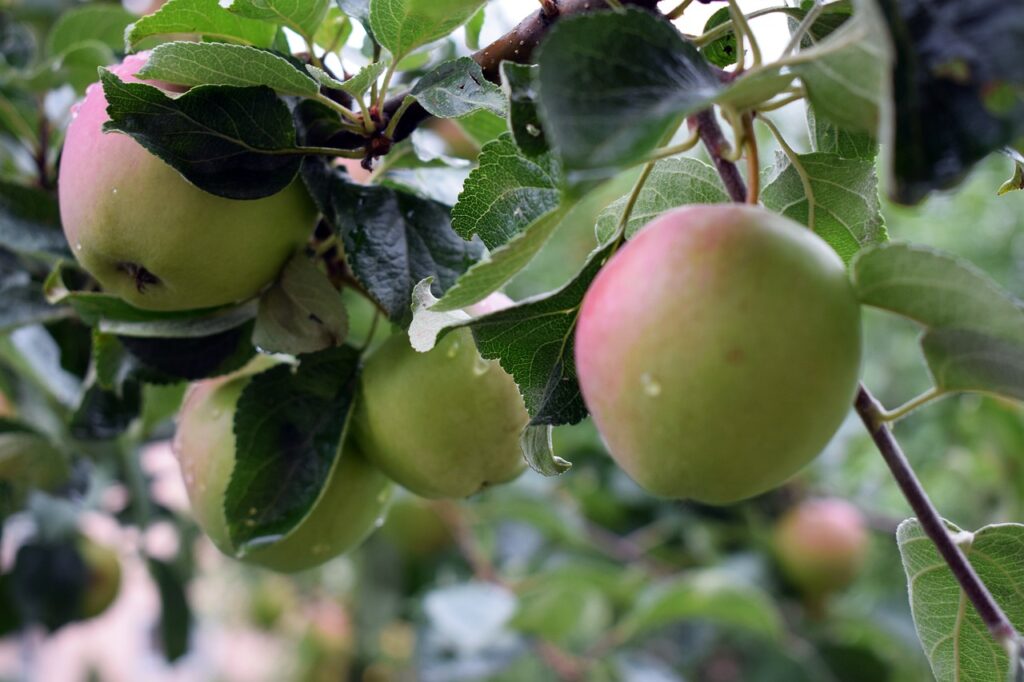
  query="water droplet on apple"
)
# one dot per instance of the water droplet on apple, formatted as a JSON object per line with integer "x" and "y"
{"x": 651, "y": 386}
{"x": 78, "y": 246}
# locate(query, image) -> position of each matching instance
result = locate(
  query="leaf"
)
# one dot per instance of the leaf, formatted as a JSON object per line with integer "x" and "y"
{"x": 229, "y": 141}
{"x": 288, "y": 431}
{"x": 721, "y": 52}
{"x": 200, "y": 18}
{"x": 505, "y": 193}
{"x": 705, "y": 596}
{"x": 105, "y": 24}
{"x": 500, "y": 265}
{"x": 301, "y": 313}
{"x": 482, "y": 126}
{"x": 847, "y": 74}
{"x": 955, "y": 640}
{"x": 673, "y": 182}
{"x": 302, "y": 16}
{"x": 473, "y": 28}
{"x": 357, "y": 85}
{"x": 539, "y": 451}
{"x": 175, "y": 614}
{"x": 403, "y": 25}
{"x": 456, "y": 88}
{"x": 829, "y": 138}
{"x": 974, "y": 331}
{"x": 1016, "y": 181}
{"x": 518, "y": 81}
{"x": 186, "y": 63}
{"x": 17, "y": 42}
{"x": 847, "y": 212}
{"x": 959, "y": 78}
{"x": 24, "y": 303}
{"x": 392, "y": 239}
{"x": 169, "y": 360}
{"x": 334, "y": 31}
{"x": 30, "y": 222}
{"x": 612, "y": 84}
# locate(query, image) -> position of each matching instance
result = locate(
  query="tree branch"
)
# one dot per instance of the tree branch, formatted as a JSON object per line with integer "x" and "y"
{"x": 873, "y": 416}
{"x": 515, "y": 46}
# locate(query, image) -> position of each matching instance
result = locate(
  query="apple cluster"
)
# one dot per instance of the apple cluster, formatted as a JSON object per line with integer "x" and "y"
{"x": 718, "y": 350}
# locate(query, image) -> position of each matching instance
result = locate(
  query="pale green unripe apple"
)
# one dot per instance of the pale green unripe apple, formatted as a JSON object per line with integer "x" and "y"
{"x": 718, "y": 352}
{"x": 821, "y": 545}
{"x": 157, "y": 241}
{"x": 349, "y": 508}
{"x": 443, "y": 424}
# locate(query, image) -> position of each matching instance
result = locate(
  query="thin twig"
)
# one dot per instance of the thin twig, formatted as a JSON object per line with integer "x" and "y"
{"x": 714, "y": 141}
{"x": 992, "y": 615}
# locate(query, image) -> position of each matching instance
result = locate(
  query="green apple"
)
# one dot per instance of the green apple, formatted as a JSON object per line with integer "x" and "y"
{"x": 157, "y": 241}
{"x": 416, "y": 527}
{"x": 442, "y": 424}
{"x": 821, "y": 545}
{"x": 103, "y": 577}
{"x": 348, "y": 509}
{"x": 718, "y": 351}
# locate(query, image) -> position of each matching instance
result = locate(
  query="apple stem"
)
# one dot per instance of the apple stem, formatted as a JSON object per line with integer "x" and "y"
{"x": 874, "y": 418}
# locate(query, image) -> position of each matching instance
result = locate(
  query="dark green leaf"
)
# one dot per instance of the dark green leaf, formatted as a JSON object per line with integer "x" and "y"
{"x": 507, "y": 192}
{"x": 30, "y": 222}
{"x": 612, "y": 84}
{"x": 175, "y": 614}
{"x": 392, "y": 239}
{"x": 519, "y": 84}
{"x": 234, "y": 142}
{"x": 288, "y": 432}
{"x": 722, "y": 51}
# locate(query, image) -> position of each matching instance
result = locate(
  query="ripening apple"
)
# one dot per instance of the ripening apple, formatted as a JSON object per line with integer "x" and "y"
{"x": 718, "y": 351}
{"x": 347, "y": 511}
{"x": 416, "y": 526}
{"x": 821, "y": 545}
{"x": 152, "y": 238}
{"x": 102, "y": 577}
{"x": 442, "y": 424}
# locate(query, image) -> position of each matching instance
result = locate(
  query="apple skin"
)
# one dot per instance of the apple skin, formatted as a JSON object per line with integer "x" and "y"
{"x": 821, "y": 545}
{"x": 415, "y": 526}
{"x": 103, "y": 577}
{"x": 718, "y": 352}
{"x": 124, "y": 209}
{"x": 442, "y": 424}
{"x": 348, "y": 510}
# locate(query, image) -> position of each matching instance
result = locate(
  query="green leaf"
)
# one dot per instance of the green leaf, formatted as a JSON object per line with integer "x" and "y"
{"x": 301, "y": 313}
{"x": 612, "y": 84}
{"x": 105, "y": 24}
{"x": 456, "y": 88}
{"x": 829, "y": 138}
{"x": 288, "y": 431}
{"x": 168, "y": 360}
{"x": 673, "y": 182}
{"x": 302, "y": 16}
{"x": 186, "y": 63}
{"x": 721, "y": 52}
{"x": 237, "y": 143}
{"x": 705, "y": 596}
{"x": 334, "y": 31}
{"x": 200, "y": 18}
{"x": 539, "y": 450}
{"x": 392, "y": 239}
{"x": 974, "y": 336}
{"x": 482, "y": 126}
{"x": 501, "y": 264}
{"x": 473, "y": 28}
{"x": 403, "y": 25}
{"x": 847, "y": 212}
{"x": 507, "y": 192}
{"x": 960, "y": 89}
{"x": 1016, "y": 181}
{"x": 175, "y": 614}
{"x": 358, "y": 84}
{"x": 17, "y": 42}
{"x": 955, "y": 640}
{"x": 30, "y": 222}
{"x": 518, "y": 81}
{"x": 563, "y": 611}
{"x": 846, "y": 75}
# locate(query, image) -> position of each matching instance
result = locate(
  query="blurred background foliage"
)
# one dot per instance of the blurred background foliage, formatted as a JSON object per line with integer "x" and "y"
{"x": 583, "y": 577}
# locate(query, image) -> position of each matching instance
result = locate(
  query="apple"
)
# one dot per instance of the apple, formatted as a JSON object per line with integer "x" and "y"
{"x": 103, "y": 577}
{"x": 443, "y": 424}
{"x": 821, "y": 544}
{"x": 349, "y": 508}
{"x": 416, "y": 527}
{"x": 718, "y": 351}
{"x": 157, "y": 241}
